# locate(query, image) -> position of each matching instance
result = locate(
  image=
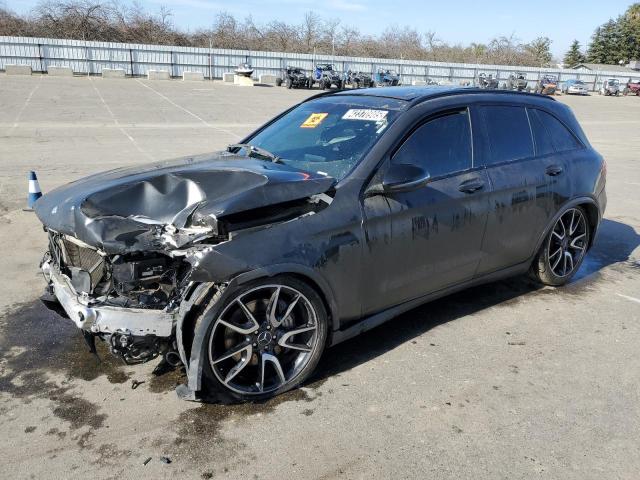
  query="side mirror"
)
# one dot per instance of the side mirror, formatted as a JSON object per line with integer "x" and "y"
{"x": 400, "y": 177}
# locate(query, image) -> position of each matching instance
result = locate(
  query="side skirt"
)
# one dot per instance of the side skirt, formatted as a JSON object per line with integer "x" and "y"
{"x": 386, "y": 315}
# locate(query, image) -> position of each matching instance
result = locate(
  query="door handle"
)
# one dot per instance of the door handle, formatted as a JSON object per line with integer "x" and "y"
{"x": 471, "y": 186}
{"x": 553, "y": 170}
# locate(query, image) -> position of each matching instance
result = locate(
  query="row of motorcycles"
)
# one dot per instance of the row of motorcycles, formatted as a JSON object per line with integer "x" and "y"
{"x": 326, "y": 76}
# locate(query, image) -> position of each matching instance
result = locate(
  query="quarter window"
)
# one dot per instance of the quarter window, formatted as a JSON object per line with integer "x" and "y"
{"x": 561, "y": 137}
{"x": 508, "y": 133}
{"x": 441, "y": 146}
{"x": 544, "y": 146}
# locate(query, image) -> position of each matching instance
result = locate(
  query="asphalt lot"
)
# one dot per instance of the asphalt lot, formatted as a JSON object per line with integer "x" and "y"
{"x": 507, "y": 380}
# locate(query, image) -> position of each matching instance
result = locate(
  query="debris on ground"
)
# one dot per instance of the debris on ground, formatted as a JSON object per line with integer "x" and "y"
{"x": 136, "y": 383}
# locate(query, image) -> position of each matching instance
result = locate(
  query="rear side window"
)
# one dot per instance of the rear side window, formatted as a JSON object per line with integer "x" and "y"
{"x": 441, "y": 146}
{"x": 508, "y": 133}
{"x": 561, "y": 137}
{"x": 544, "y": 146}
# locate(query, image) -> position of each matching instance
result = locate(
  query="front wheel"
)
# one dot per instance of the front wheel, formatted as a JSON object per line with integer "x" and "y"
{"x": 563, "y": 250}
{"x": 266, "y": 339}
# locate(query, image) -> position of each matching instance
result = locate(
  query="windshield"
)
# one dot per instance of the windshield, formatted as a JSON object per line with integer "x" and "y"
{"x": 613, "y": 82}
{"x": 329, "y": 135}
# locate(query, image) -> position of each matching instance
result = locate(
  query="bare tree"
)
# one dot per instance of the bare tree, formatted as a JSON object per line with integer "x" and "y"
{"x": 110, "y": 20}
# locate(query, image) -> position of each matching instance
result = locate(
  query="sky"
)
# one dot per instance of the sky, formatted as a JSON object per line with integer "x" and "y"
{"x": 458, "y": 21}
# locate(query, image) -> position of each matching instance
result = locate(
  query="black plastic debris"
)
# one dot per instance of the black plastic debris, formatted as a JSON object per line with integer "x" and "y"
{"x": 136, "y": 383}
{"x": 166, "y": 460}
{"x": 146, "y": 461}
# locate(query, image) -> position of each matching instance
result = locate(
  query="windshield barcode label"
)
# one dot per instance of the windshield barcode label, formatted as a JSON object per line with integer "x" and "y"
{"x": 368, "y": 115}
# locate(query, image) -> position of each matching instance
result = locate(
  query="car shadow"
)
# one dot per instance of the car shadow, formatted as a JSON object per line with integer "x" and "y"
{"x": 615, "y": 243}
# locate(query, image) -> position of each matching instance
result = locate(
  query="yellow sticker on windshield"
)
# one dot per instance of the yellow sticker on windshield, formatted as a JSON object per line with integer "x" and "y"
{"x": 314, "y": 120}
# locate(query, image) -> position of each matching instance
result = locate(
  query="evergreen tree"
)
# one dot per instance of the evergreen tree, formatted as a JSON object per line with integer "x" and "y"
{"x": 617, "y": 40}
{"x": 574, "y": 56}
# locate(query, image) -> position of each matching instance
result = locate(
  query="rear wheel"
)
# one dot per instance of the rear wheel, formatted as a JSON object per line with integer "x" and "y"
{"x": 266, "y": 339}
{"x": 563, "y": 250}
{"x": 289, "y": 83}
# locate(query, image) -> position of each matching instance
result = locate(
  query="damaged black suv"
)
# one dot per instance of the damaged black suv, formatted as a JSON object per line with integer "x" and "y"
{"x": 332, "y": 218}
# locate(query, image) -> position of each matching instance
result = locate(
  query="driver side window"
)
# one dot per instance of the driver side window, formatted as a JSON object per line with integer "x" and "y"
{"x": 441, "y": 146}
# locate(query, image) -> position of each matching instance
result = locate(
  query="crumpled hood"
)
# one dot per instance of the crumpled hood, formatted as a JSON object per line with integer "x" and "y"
{"x": 130, "y": 209}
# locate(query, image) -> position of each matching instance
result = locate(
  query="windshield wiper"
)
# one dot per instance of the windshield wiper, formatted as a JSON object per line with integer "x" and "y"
{"x": 255, "y": 152}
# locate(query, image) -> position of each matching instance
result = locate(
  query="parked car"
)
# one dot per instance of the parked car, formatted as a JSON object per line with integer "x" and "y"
{"x": 516, "y": 81}
{"x": 547, "y": 85}
{"x": 336, "y": 216}
{"x": 574, "y": 87}
{"x": 326, "y": 76}
{"x": 386, "y": 78}
{"x": 632, "y": 88}
{"x": 357, "y": 79}
{"x": 294, "y": 77}
{"x": 485, "y": 81}
{"x": 610, "y": 86}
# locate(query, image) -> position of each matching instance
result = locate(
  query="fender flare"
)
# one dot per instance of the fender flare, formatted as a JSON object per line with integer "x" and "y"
{"x": 569, "y": 204}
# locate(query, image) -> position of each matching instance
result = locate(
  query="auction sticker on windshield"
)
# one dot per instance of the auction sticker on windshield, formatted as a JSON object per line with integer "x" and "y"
{"x": 314, "y": 120}
{"x": 365, "y": 114}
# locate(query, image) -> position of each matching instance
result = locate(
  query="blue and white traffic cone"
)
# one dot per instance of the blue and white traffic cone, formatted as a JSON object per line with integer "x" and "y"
{"x": 34, "y": 190}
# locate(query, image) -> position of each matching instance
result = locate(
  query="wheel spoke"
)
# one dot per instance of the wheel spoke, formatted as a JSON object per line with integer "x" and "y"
{"x": 267, "y": 357}
{"x": 238, "y": 367}
{"x": 247, "y": 313}
{"x": 573, "y": 242}
{"x": 238, "y": 328}
{"x": 290, "y": 308}
{"x": 571, "y": 227}
{"x": 569, "y": 259}
{"x": 555, "y": 264}
{"x": 234, "y": 351}
{"x": 273, "y": 307}
{"x": 283, "y": 341}
{"x": 559, "y": 250}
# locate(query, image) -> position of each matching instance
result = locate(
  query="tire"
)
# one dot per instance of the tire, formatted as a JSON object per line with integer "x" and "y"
{"x": 551, "y": 265}
{"x": 289, "y": 83}
{"x": 265, "y": 350}
{"x": 625, "y": 92}
{"x": 278, "y": 82}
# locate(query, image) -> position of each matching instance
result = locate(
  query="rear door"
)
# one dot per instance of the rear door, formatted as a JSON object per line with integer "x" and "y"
{"x": 423, "y": 240}
{"x": 528, "y": 181}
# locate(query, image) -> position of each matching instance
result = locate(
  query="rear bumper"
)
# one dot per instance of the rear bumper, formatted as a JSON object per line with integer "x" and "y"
{"x": 107, "y": 319}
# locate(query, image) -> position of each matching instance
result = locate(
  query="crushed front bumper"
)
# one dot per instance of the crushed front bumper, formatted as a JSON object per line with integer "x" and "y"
{"x": 105, "y": 318}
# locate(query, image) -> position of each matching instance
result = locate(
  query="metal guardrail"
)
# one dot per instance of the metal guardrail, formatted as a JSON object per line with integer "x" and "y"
{"x": 86, "y": 57}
